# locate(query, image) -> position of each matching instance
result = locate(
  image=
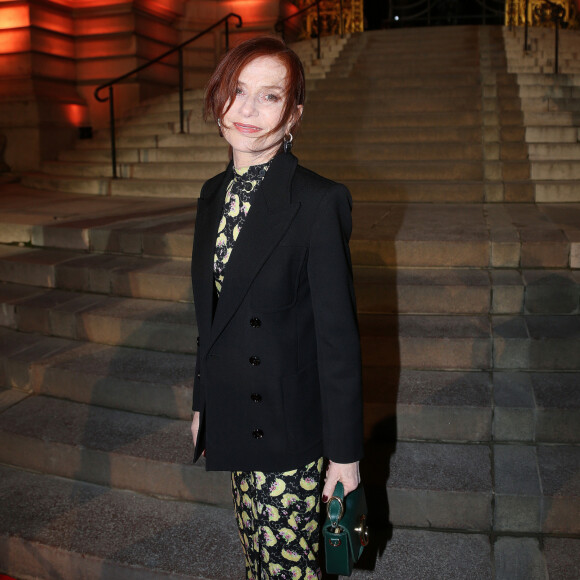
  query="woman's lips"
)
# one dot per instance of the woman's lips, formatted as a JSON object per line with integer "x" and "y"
{"x": 242, "y": 128}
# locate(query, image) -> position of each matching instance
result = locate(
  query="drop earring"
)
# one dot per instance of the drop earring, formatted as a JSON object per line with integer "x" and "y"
{"x": 219, "y": 122}
{"x": 287, "y": 143}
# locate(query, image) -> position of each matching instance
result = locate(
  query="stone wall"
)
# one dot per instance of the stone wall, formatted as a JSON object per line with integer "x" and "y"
{"x": 54, "y": 53}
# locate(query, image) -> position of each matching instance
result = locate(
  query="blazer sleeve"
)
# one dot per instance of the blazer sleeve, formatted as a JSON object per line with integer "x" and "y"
{"x": 336, "y": 327}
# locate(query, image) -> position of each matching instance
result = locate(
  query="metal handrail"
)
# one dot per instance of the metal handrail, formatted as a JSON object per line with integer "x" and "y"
{"x": 279, "y": 26}
{"x": 556, "y": 15}
{"x": 179, "y": 49}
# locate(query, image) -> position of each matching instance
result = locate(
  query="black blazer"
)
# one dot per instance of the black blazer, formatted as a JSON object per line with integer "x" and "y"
{"x": 278, "y": 377}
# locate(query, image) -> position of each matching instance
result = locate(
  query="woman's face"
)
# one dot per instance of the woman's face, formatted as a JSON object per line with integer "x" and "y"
{"x": 257, "y": 109}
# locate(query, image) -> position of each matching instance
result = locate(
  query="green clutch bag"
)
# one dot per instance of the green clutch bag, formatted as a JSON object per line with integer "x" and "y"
{"x": 345, "y": 530}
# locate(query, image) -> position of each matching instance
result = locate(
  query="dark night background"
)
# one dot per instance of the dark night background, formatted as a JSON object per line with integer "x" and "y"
{"x": 443, "y": 12}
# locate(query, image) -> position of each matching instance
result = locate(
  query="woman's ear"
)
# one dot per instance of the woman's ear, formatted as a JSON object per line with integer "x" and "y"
{"x": 295, "y": 118}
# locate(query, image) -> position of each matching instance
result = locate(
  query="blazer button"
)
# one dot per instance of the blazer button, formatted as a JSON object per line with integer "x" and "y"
{"x": 197, "y": 340}
{"x": 255, "y": 322}
{"x": 256, "y": 397}
{"x": 199, "y": 375}
{"x": 257, "y": 433}
{"x": 255, "y": 361}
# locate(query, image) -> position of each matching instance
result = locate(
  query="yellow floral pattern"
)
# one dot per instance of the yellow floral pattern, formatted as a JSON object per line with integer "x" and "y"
{"x": 239, "y": 195}
{"x": 277, "y": 515}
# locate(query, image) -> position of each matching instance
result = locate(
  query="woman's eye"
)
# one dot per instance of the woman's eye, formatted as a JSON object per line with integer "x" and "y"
{"x": 238, "y": 91}
{"x": 272, "y": 98}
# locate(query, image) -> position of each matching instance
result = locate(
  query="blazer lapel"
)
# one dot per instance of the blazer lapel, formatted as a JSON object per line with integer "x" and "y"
{"x": 268, "y": 220}
{"x": 209, "y": 210}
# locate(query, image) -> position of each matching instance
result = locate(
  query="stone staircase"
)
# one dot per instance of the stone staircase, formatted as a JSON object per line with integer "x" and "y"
{"x": 154, "y": 158}
{"x": 551, "y": 108}
{"x": 468, "y": 293}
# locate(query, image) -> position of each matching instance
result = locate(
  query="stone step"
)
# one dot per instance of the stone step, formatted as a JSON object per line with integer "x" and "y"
{"x": 374, "y": 66}
{"x": 550, "y": 134}
{"x": 443, "y": 485}
{"x": 549, "y": 103}
{"x": 206, "y": 139}
{"x": 177, "y": 170}
{"x": 169, "y": 115}
{"x": 100, "y": 153}
{"x": 399, "y": 170}
{"x": 359, "y": 120}
{"x": 193, "y": 94}
{"x": 554, "y": 151}
{"x": 162, "y": 188}
{"x": 387, "y": 105}
{"x": 79, "y": 169}
{"x": 569, "y": 67}
{"x": 557, "y": 170}
{"x": 165, "y": 128}
{"x": 548, "y": 119}
{"x": 551, "y": 80}
{"x": 102, "y": 140}
{"x": 471, "y": 406}
{"x": 198, "y": 140}
{"x": 192, "y": 104}
{"x": 139, "y": 323}
{"x": 543, "y": 91}
{"x": 118, "y": 275}
{"x": 457, "y": 235}
{"x": 430, "y": 151}
{"x": 394, "y": 81}
{"x": 385, "y": 235}
{"x": 396, "y": 191}
{"x": 151, "y": 455}
{"x": 129, "y": 379}
{"x": 150, "y": 130}
{"x": 466, "y": 291}
{"x": 309, "y": 136}
{"x": 379, "y": 290}
{"x": 557, "y": 191}
{"x": 382, "y": 92}
{"x": 74, "y": 529}
{"x": 196, "y": 154}
{"x": 163, "y": 230}
{"x": 538, "y": 342}
{"x": 162, "y": 166}
{"x": 157, "y": 538}
{"x": 67, "y": 184}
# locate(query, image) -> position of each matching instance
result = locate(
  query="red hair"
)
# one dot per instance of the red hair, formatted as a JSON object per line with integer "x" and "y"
{"x": 223, "y": 83}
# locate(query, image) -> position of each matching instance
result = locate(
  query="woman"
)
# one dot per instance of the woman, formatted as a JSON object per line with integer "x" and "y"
{"x": 278, "y": 377}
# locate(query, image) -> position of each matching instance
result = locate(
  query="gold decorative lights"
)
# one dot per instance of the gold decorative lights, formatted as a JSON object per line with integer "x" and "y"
{"x": 352, "y": 15}
{"x": 515, "y": 13}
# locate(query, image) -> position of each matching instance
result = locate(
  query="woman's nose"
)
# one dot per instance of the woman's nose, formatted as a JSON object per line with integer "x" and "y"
{"x": 248, "y": 107}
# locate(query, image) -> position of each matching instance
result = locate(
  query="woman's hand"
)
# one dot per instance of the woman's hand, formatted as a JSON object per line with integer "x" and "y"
{"x": 347, "y": 473}
{"x": 195, "y": 426}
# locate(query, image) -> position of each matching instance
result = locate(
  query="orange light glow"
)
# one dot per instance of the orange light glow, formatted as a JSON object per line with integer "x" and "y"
{"x": 252, "y": 10}
{"x": 76, "y": 114}
{"x": 47, "y": 19}
{"x": 14, "y": 41}
{"x": 14, "y": 17}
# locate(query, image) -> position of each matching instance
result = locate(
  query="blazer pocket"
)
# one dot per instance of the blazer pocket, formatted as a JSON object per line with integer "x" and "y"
{"x": 303, "y": 408}
{"x": 276, "y": 285}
